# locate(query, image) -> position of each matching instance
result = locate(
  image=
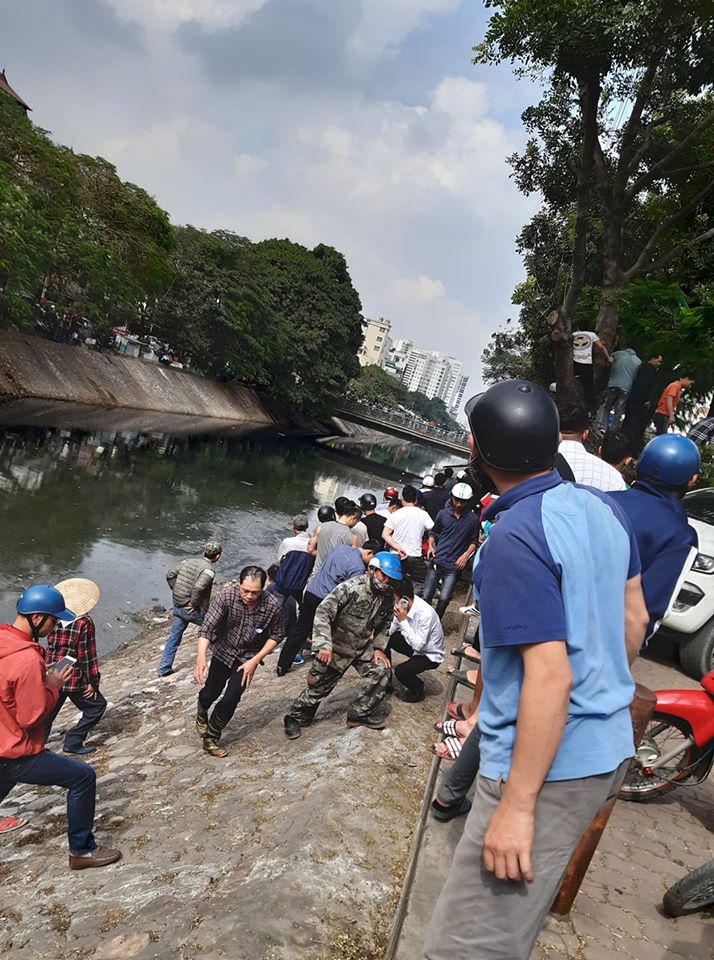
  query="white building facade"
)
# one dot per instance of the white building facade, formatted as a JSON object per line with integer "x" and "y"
{"x": 435, "y": 375}
{"x": 377, "y": 342}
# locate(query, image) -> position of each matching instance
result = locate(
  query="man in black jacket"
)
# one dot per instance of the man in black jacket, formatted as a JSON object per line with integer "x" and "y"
{"x": 638, "y": 411}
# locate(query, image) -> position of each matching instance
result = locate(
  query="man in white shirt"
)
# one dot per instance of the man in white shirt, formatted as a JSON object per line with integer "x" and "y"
{"x": 587, "y": 469}
{"x": 404, "y": 533}
{"x": 584, "y": 341}
{"x": 417, "y": 633}
{"x": 298, "y": 541}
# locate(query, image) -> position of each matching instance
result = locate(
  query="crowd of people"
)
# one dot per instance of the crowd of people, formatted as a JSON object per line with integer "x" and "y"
{"x": 573, "y": 569}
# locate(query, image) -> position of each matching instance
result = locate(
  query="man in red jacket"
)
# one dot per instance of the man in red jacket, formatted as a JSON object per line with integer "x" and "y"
{"x": 28, "y": 694}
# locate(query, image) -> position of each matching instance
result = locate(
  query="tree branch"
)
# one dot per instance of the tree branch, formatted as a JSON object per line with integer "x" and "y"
{"x": 641, "y": 262}
{"x": 690, "y": 169}
{"x": 628, "y": 136}
{"x": 672, "y": 254}
{"x": 660, "y": 168}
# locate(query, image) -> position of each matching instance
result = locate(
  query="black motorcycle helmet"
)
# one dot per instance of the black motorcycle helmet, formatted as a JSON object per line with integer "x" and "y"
{"x": 324, "y": 514}
{"x": 368, "y": 501}
{"x": 515, "y": 427}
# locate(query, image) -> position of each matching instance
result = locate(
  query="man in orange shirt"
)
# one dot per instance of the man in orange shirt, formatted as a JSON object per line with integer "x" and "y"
{"x": 664, "y": 415}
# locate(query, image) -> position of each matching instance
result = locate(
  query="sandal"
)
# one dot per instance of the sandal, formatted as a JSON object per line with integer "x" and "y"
{"x": 468, "y": 652}
{"x": 8, "y": 824}
{"x": 451, "y": 748}
{"x": 448, "y": 728}
{"x": 456, "y": 710}
{"x": 445, "y": 812}
{"x": 461, "y": 676}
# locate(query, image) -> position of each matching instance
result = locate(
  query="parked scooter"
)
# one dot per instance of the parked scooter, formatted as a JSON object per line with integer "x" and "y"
{"x": 691, "y": 893}
{"x": 678, "y": 744}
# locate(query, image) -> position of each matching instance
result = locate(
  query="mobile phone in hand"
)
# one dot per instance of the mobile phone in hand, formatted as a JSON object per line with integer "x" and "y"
{"x": 64, "y": 662}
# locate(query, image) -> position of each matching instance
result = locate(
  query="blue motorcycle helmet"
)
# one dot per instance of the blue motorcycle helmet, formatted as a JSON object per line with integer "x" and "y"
{"x": 669, "y": 459}
{"x": 388, "y": 563}
{"x": 44, "y": 600}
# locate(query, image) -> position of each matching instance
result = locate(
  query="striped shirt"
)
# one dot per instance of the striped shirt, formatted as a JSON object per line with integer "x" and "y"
{"x": 236, "y": 633}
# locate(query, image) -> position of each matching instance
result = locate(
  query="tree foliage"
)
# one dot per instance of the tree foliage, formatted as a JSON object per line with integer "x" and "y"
{"x": 375, "y": 386}
{"x": 619, "y": 147}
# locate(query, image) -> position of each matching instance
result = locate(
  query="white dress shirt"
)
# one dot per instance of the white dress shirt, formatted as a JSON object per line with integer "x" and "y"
{"x": 589, "y": 470}
{"x": 422, "y": 630}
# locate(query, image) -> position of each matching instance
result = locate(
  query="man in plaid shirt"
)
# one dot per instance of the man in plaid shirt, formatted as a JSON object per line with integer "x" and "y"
{"x": 78, "y": 640}
{"x": 243, "y": 625}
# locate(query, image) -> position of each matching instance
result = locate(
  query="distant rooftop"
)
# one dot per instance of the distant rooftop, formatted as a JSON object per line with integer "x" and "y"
{"x": 6, "y": 88}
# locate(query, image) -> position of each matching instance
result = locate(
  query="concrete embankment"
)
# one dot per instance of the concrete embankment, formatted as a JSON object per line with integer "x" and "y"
{"x": 285, "y": 850}
{"x": 33, "y": 369}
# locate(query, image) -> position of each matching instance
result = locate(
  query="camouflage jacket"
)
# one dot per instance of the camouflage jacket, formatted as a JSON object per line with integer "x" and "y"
{"x": 352, "y": 621}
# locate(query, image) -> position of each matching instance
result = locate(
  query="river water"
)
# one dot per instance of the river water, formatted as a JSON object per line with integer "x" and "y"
{"x": 122, "y": 507}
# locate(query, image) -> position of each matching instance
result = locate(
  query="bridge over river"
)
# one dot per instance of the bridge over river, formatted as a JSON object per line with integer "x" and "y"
{"x": 398, "y": 425}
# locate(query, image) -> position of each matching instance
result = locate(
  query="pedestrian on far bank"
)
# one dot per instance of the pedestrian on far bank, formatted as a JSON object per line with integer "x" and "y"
{"x": 373, "y": 521}
{"x": 415, "y": 632}
{"x": 243, "y": 625}
{"x": 28, "y": 694}
{"x": 191, "y": 583}
{"x": 351, "y": 630}
{"x": 333, "y": 532}
{"x": 342, "y": 564}
{"x": 625, "y": 364}
{"x": 435, "y": 499}
{"x": 452, "y": 542}
{"x": 587, "y": 469}
{"x": 664, "y": 417}
{"x": 404, "y": 532}
{"x": 77, "y": 639}
{"x": 638, "y": 410}
{"x": 584, "y": 342}
{"x": 299, "y": 540}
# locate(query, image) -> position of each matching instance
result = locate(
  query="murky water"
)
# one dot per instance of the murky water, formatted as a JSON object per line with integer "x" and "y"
{"x": 122, "y": 507}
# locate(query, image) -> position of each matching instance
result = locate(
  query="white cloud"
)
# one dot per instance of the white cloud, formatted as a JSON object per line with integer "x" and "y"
{"x": 384, "y": 24}
{"x": 419, "y": 289}
{"x": 168, "y": 14}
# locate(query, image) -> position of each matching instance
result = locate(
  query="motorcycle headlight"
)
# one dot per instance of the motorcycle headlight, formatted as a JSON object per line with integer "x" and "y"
{"x": 703, "y": 563}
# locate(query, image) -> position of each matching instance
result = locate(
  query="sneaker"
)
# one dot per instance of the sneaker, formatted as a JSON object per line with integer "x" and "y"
{"x": 165, "y": 673}
{"x": 292, "y": 728}
{"x": 299, "y": 659}
{"x": 99, "y": 857}
{"x": 374, "y": 723}
{"x": 409, "y": 696}
{"x": 214, "y": 748}
{"x": 281, "y": 671}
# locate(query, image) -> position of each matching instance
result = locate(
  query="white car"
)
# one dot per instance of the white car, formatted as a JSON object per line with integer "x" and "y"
{"x": 691, "y": 620}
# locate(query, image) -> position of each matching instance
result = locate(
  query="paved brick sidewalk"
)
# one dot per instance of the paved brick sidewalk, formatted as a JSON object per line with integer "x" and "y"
{"x": 645, "y": 848}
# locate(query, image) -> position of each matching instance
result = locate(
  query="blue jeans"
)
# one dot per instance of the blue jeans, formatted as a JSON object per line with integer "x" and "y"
{"x": 181, "y": 619}
{"x": 436, "y": 574}
{"x": 49, "y": 769}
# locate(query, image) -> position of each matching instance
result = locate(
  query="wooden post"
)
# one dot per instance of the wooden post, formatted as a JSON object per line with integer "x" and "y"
{"x": 641, "y": 709}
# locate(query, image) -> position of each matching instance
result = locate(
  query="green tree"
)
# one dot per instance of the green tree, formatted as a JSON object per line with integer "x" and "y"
{"x": 620, "y": 142}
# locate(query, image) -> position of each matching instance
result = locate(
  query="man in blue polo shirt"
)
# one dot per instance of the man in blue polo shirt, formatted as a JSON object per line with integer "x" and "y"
{"x": 562, "y": 617}
{"x": 452, "y": 542}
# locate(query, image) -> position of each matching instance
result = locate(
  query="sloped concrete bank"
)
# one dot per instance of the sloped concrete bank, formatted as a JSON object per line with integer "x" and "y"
{"x": 285, "y": 850}
{"x": 33, "y": 368}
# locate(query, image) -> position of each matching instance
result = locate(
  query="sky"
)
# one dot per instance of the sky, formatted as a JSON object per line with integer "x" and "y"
{"x": 361, "y": 124}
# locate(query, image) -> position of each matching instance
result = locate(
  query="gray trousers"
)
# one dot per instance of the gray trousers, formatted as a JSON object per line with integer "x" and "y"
{"x": 478, "y": 917}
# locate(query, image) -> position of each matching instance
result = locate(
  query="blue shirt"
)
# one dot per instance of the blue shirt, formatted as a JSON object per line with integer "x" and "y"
{"x": 554, "y": 567}
{"x": 664, "y": 539}
{"x": 341, "y": 563}
{"x": 453, "y": 535}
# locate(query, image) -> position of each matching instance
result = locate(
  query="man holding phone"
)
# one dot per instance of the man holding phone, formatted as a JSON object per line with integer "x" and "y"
{"x": 28, "y": 694}
{"x": 417, "y": 633}
{"x": 243, "y": 625}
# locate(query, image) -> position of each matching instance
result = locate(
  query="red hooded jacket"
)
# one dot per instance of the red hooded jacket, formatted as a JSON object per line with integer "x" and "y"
{"x": 25, "y": 697}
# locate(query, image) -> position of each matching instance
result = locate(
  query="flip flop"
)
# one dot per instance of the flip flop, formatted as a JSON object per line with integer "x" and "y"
{"x": 461, "y": 677}
{"x": 452, "y": 748}
{"x": 8, "y": 824}
{"x": 446, "y": 813}
{"x": 455, "y": 710}
{"x": 448, "y": 727}
{"x": 474, "y": 657}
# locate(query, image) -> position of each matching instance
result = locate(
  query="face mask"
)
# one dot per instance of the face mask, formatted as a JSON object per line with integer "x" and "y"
{"x": 379, "y": 587}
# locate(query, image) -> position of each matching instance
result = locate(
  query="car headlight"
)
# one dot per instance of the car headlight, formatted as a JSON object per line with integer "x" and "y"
{"x": 703, "y": 563}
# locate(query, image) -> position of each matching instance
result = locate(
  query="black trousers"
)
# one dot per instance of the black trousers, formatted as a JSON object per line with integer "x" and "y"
{"x": 584, "y": 374}
{"x": 661, "y": 422}
{"x": 300, "y": 632}
{"x": 218, "y": 674}
{"x": 415, "y": 569}
{"x": 92, "y": 712}
{"x": 637, "y": 416}
{"x": 407, "y": 673}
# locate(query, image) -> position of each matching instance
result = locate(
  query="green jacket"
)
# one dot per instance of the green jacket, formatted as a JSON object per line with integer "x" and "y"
{"x": 352, "y": 621}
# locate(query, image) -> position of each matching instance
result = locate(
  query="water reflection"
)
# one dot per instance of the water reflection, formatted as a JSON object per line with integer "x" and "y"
{"x": 120, "y": 507}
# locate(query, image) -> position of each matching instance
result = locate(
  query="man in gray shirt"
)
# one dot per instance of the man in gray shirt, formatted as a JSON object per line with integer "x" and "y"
{"x": 625, "y": 364}
{"x": 191, "y": 582}
{"x": 333, "y": 533}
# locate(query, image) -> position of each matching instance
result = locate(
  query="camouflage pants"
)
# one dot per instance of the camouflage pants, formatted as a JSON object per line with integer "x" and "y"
{"x": 322, "y": 680}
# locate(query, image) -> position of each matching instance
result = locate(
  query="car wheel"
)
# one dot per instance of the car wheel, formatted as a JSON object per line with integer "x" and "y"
{"x": 696, "y": 656}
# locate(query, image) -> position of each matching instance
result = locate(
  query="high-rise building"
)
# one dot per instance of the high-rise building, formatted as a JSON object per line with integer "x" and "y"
{"x": 435, "y": 375}
{"x": 457, "y": 400}
{"x": 377, "y": 342}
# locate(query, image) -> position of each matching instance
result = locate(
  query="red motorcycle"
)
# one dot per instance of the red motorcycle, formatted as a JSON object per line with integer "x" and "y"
{"x": 678, "y": 744}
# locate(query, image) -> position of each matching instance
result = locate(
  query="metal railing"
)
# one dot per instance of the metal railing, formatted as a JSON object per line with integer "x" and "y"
{"x": 407, "y": 422}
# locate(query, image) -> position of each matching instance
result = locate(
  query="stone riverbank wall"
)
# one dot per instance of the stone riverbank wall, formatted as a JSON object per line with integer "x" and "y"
{"x": 35, "y": 369}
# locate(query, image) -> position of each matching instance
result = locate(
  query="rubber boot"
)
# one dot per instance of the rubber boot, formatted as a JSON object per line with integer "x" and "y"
{"x": 210, "y": 741}
{"x": 201, "y": 720}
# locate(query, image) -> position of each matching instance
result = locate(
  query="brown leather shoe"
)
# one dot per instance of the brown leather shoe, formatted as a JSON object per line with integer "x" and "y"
{"x": 99, "y": 857}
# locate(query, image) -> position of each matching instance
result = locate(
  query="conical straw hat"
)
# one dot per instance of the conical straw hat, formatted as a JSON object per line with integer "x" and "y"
{"x": 80, "y": 595}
